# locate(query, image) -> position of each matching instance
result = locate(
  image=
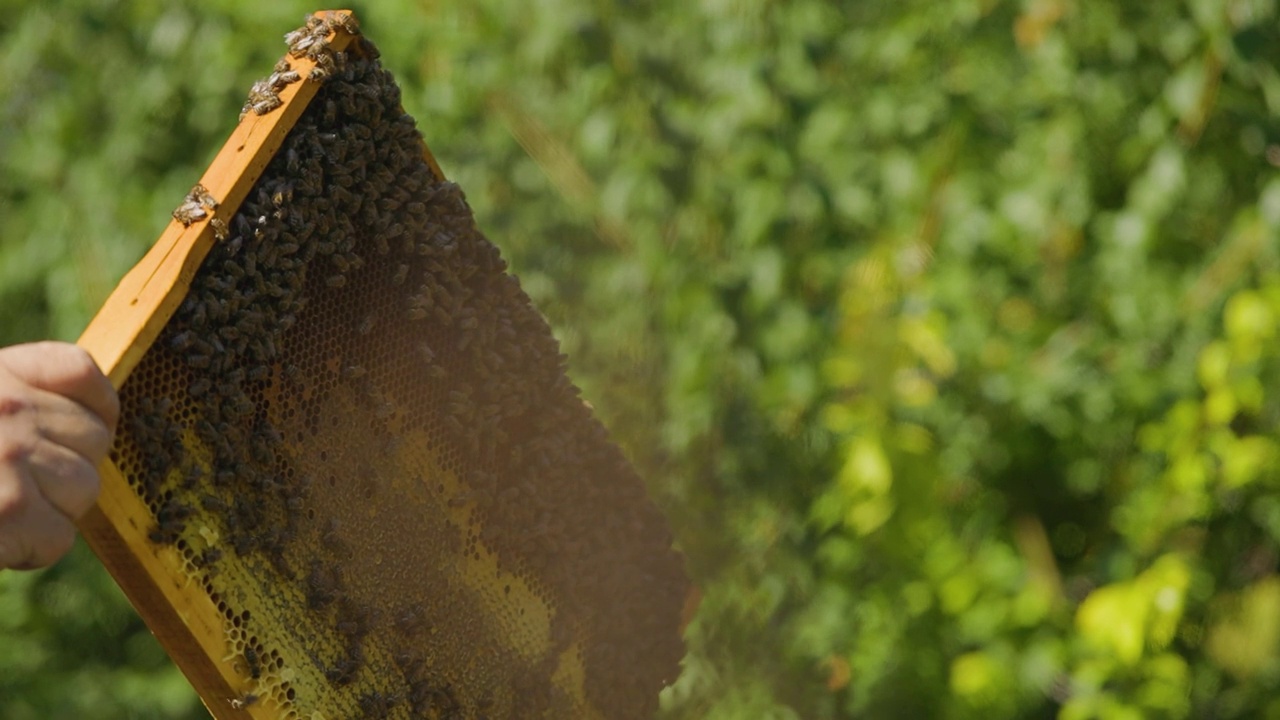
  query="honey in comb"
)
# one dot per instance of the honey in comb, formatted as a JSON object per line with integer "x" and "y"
{"x": 360, "y": 436}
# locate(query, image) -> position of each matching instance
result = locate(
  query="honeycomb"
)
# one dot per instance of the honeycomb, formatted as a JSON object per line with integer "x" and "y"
{"x": 359, "y": 437}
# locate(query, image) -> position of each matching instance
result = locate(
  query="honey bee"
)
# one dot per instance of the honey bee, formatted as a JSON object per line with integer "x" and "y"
{"x": 166, "y": 531}
{"x": 377, "y": 705}
{"x": 200, "y": 195}
{"x": 344, "y": 21}
{"x": 213, "y": 503}
{"x": 266, "y": 104}
{"x": 322, "y": 586}
{"x": 281, "y": 565}
{"x": 279, "y": 80}
{"x": 262, "y": 99}
{"x": 294, "y": 39}
{"x": 243, "y": 701}
{"x": 243, "y": 544}
{"x": 343, "y": 672}
{"x": 302, "y": 42}
{"x": 188, "y": 213}
{"x": 323, "y": 70}
{"x": 200, "y": 387}
{"x": 208, "y": 557}
{"x": 220, "y": 230}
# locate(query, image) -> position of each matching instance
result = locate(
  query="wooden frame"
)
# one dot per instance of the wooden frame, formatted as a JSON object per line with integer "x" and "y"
{"x": 180, "y": 614}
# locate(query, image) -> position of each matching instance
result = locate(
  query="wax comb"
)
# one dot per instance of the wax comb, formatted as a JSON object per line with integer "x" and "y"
{"x": 352, "y": 479}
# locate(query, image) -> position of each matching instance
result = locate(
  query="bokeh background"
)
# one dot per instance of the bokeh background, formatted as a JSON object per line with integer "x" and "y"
{"x": 944, "y": 331}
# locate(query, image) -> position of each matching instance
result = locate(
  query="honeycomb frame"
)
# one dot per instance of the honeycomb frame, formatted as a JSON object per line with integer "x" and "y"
{"x": 185, "y": 479}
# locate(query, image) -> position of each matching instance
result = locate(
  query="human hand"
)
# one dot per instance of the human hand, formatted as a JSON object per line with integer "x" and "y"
{"x": 58, "y": 414}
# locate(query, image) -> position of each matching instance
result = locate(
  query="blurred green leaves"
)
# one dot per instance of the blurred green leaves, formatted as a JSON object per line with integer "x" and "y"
{"x": 944, "y": 332}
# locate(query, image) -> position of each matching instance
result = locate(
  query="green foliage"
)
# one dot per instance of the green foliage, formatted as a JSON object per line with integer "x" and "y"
{"x": 945, "y": 332}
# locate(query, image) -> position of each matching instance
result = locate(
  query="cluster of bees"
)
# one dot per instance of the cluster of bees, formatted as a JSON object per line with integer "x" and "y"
{"x": 310, "y": 41}
{"x": 196, "y": 206}
{"x": 352, "y": 271}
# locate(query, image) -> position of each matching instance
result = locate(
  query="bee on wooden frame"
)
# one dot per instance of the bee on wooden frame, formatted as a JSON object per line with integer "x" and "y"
{"x": 189, "y": 212}
{"x": 201, "y": 195}
{"x": 344, "y": 21}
